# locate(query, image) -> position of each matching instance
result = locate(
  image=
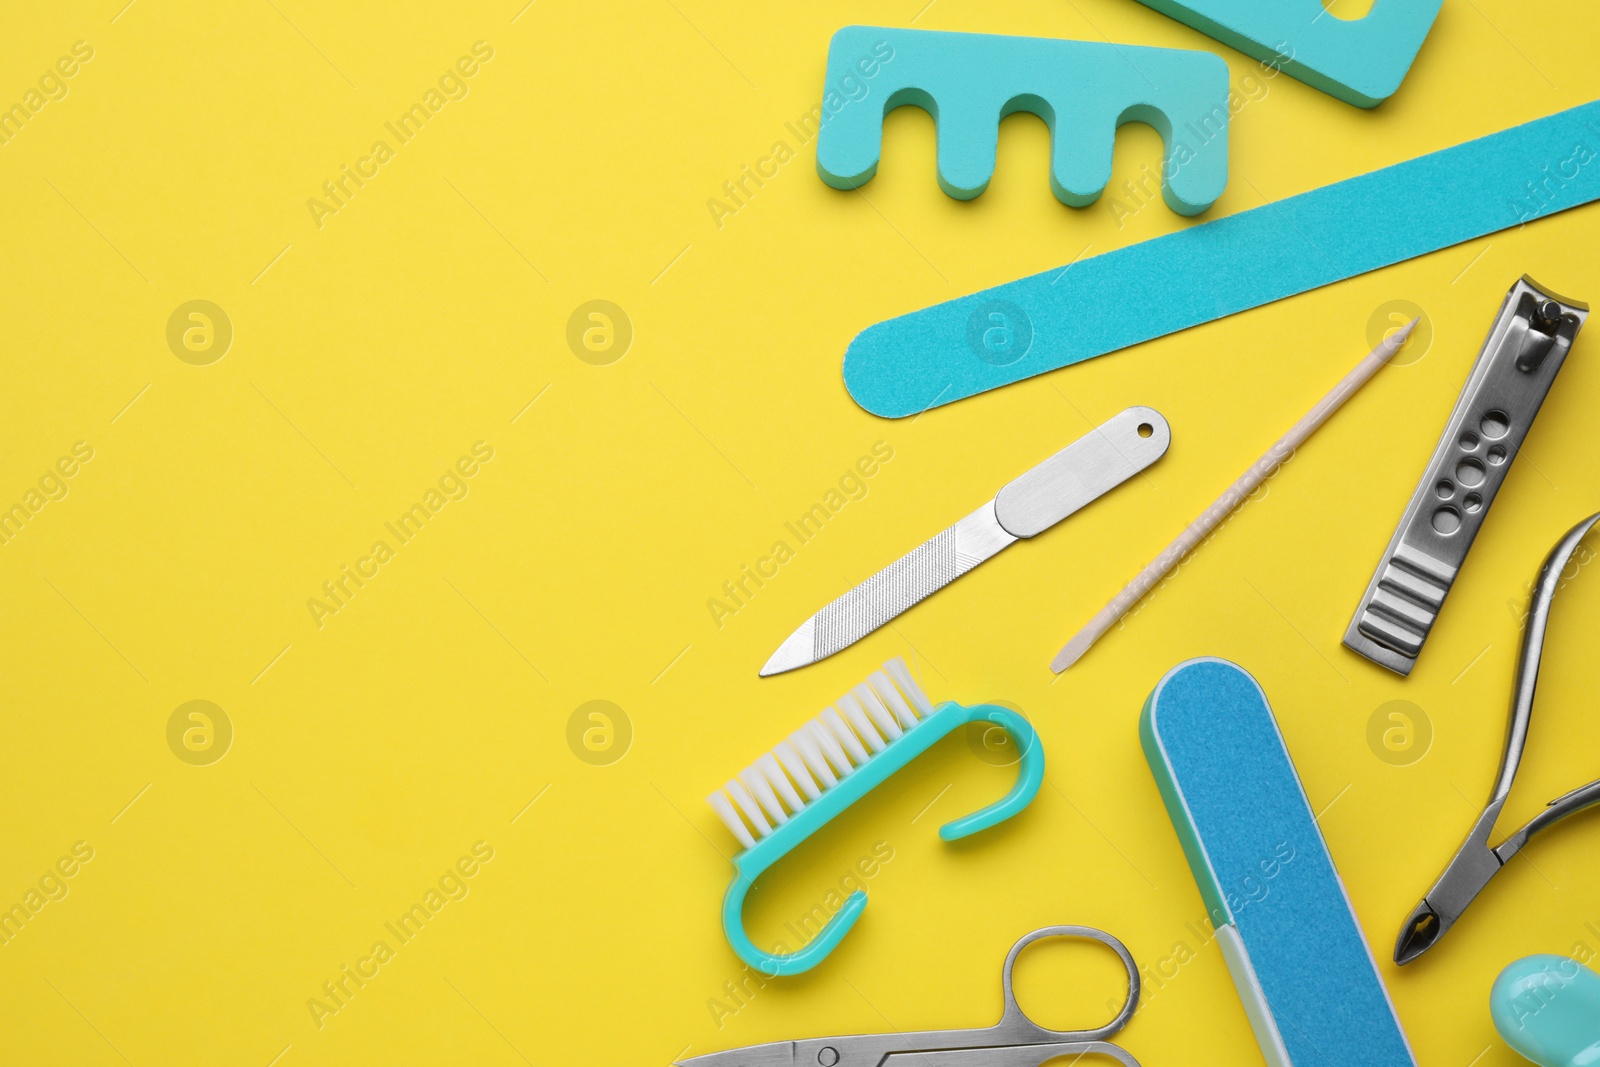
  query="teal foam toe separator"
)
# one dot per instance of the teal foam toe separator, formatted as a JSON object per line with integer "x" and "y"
{"x": 1548, "y": 1009}
{"x": 1360, "y": 61}
{"x": 1263, "y": 868}
{"x": 1083, "y": 90}
{"x": 966, "y": 346}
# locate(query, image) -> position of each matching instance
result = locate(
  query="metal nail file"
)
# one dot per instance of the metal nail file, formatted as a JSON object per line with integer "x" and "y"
{"x": 1085, "y": 470}
{"x": 1526, "y": 346}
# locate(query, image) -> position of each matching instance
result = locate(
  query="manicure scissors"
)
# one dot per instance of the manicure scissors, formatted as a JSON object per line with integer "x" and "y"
{"x": 1015, "y": 1041}
{"x": 1475, "y": 862}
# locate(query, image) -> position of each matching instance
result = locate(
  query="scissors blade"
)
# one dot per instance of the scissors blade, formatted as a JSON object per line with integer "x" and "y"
{"x": 1011, "y": 1055}
{"x": 773, "y": 1054}
{"x": 921, "y": 572}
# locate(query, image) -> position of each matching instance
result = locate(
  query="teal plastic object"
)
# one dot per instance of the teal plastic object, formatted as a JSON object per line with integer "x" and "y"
{"x": 1083, "y": 90}
{"x": 1548, "y": 1009}
{"x": 962, "y": 347}
{"x": 1305, "y": 975}
{"x": 918, "y": 739}
{"x": 1360, "y": 61}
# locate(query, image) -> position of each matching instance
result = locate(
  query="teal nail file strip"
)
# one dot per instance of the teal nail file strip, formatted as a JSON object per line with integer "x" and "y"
{"x": 966, "y": 346}
{"x": 1361, "y": 61}
{"x": 1307, "y": 978}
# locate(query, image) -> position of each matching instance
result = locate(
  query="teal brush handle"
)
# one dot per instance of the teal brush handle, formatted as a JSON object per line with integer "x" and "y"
{"x": 918, "y": 739}
{"x": 1548, "y": 1009}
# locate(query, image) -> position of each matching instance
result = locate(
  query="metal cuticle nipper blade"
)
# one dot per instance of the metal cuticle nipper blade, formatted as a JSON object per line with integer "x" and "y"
{"x": 1475, "y": 863}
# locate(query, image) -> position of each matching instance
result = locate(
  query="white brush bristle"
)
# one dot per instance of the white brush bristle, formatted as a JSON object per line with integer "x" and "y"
{"x": 813, "y": 759}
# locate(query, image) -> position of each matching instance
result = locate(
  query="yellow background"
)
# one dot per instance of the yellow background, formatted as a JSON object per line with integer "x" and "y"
{"x": 368, "y": 354}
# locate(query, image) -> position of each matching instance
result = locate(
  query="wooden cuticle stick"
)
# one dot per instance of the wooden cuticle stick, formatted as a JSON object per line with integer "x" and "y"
{"x": 1247, "y": 483}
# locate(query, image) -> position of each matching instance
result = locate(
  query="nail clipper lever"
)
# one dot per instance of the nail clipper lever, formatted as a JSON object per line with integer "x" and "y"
{"x": 1524, "y": 351}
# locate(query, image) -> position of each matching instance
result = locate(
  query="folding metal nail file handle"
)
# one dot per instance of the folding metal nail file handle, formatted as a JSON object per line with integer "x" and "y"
{"x": 1030, "y": 504}
{"x": 1525, "y": 348}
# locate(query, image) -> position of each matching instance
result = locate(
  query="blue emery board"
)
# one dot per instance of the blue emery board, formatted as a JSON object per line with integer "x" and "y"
{"x": 962, "y": 347}
{"x": 1309, "y": 983}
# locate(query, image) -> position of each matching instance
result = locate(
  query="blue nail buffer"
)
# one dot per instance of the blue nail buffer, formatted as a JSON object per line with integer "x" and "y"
{"x": 966, "y": 346}
{"x": 1307, "y": 978}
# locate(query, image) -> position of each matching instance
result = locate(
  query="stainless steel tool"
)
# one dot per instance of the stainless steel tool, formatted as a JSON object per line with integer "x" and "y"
{"x": 1014, "y": 1041}
{"x": 1091, "y": 466}
{"x": 1475, "y": 862}
{"x": 1525, "y": 348}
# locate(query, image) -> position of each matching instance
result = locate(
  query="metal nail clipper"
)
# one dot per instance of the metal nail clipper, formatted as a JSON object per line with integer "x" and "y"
{"x": 1475, "y": 863}
{"x": 1525, "y": 348}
